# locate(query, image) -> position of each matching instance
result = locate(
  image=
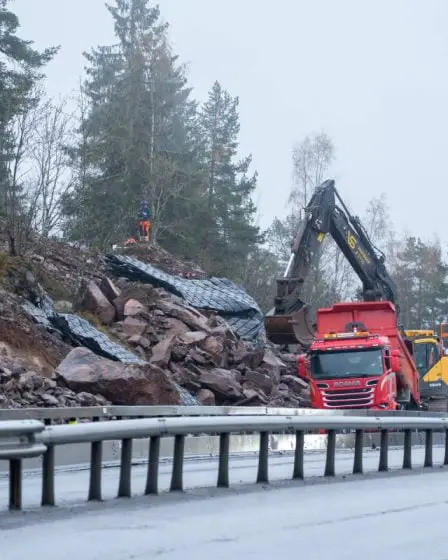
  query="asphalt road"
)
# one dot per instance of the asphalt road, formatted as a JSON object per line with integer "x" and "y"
{"x": 400, "y": 517}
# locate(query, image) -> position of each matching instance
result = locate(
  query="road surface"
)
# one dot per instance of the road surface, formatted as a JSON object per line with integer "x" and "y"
{"x": 71, "y": 486}
{"x": 400, "y": 517}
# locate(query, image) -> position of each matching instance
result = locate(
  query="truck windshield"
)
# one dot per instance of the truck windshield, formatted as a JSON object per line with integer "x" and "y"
{"x": 347, "y": 363}
{"x": 426, "y": 354}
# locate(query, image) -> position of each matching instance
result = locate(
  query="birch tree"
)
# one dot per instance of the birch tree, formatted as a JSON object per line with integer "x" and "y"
{"x": 50, "y": 175}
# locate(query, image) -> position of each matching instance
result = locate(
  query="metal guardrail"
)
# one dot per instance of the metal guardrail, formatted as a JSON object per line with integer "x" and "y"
{"x": 50, "y": 415}
{"x": 18, "y": 441}
{"x": 225, "y": 425}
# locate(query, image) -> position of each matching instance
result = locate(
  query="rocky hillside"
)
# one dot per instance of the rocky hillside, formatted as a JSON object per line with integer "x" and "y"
{"x": 172, "y": 350}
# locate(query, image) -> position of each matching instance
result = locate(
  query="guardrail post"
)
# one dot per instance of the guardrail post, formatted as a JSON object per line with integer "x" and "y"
{"x": 178, "y": 464}
{"x": 223, "y": 467}
{"x": 407, "y": 451}
{"x": 357, "y": 461}
{"x": 330, "y": 460}
{"x": 15, "y": 484}
{"x": 445, "y": 459}
{"x": 48, "y": 498}
{"x": 152, "y": 476}
{"x": 124, "y": 487}
{"x": 384, "y": 452}
{"x": 263, "y": 459}
{"x": 428, "y": 448}
{"x": 96, "y": 459}
{"x": 298, "y": 472}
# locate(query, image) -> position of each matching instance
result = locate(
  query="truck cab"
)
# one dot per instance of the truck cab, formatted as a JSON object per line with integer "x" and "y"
{"x": 358, "y": 360}
{"x": 352, "y": 370}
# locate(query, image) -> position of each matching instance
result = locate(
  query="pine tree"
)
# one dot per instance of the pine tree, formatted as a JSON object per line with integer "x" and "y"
{"x": 136, "y": 140}
{"x": 421, "y": 277}
{"x": 228, "y": 230}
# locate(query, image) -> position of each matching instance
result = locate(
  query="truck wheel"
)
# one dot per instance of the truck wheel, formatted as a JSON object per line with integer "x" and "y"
{"x": 412, "y": 405}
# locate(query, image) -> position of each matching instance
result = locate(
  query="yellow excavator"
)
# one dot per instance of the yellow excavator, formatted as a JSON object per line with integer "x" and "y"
{"x": 431, "y": 358}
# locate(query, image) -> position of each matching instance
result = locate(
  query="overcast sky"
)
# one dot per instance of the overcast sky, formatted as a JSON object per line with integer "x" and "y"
{"x": 372, "y": 74}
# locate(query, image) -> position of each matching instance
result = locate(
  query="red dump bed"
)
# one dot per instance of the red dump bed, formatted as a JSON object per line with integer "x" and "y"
{"x": 378, "y": 318}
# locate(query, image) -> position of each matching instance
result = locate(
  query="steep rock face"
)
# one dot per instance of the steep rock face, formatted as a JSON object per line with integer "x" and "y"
{"x": 121, "y": 384}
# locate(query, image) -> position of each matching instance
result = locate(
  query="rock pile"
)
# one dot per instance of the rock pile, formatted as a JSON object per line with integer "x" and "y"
{"x": 178, "y": 345}
{"x": 196, "y": 350}
{"x": 21, "y": 387}
{"x": 123, "y": 384}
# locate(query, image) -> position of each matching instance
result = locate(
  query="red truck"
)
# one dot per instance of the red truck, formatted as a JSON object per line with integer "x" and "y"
{"x": 359, "y": 359}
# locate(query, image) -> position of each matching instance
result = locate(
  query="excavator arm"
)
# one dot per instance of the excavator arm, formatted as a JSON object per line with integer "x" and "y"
{"x": 289, "y": 322}
{"x": 366, "y": 260}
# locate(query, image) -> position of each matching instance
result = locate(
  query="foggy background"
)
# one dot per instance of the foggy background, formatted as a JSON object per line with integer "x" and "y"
{"x": 372, "y": 75}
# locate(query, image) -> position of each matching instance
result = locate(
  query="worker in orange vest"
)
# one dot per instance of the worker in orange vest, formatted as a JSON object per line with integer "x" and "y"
{"x": 144, "y": 216}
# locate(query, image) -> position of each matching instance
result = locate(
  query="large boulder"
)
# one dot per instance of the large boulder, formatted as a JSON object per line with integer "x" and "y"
{"x": 206, "y": 397}
{"x": 188, "y": 315}
{"x": 133, "y": 326}
{"x": 224, "y": 384}
{"x": 97, "y": 303}
{"x": 133, "y": 307}
{"x": 109, "y": 289}
{"x": 144, "y": 294}
{"x": 161, "y": 353}
{"x": 260, "y": 380}
{"x": 192, "y": 337}
{"x": 23, "y": 388}
{"x": 295, "y": 383}
{"x": 121, "y": 384}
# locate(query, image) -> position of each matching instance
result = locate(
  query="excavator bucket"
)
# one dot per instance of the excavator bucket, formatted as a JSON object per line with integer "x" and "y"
{"x": 296, "y": 328}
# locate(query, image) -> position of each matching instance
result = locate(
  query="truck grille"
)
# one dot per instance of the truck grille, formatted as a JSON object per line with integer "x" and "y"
{"x": 348, "y": 398}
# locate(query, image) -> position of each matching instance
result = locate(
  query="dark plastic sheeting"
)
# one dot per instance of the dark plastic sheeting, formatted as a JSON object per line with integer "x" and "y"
{"x": 231, "y": 301}
{"x": 81, "y": 333}
{"x": 38, "y": 315}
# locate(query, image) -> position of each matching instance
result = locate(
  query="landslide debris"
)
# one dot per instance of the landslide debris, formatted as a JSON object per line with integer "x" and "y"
{"x": 178, "y": 346}
{"x": 200, "y": 351}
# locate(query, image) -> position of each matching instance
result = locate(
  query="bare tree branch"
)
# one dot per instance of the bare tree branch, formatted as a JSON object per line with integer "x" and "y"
{"x": 51, "y": 175}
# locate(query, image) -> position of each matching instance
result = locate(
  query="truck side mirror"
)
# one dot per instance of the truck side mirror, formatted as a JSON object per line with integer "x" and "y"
{"x": 395, "y": 362}
{"x": 302, "y": 370}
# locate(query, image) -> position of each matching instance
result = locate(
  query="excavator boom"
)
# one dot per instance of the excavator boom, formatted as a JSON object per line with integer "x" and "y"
{"x": 289, "y": 323}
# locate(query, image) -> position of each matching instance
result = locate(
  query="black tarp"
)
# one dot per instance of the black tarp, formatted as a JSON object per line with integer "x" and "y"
{"x": 228, "y": 299}
{"x": 81, "y": 333}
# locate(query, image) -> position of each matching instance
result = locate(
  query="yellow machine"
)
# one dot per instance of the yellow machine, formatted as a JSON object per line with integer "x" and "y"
{"x": 432, "y": 365}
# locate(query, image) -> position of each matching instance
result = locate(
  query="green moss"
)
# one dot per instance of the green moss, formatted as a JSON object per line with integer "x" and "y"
{"x": 53, "y": 287}
{"x": 93, "y": 320}
{"x": 8, "y": 263}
